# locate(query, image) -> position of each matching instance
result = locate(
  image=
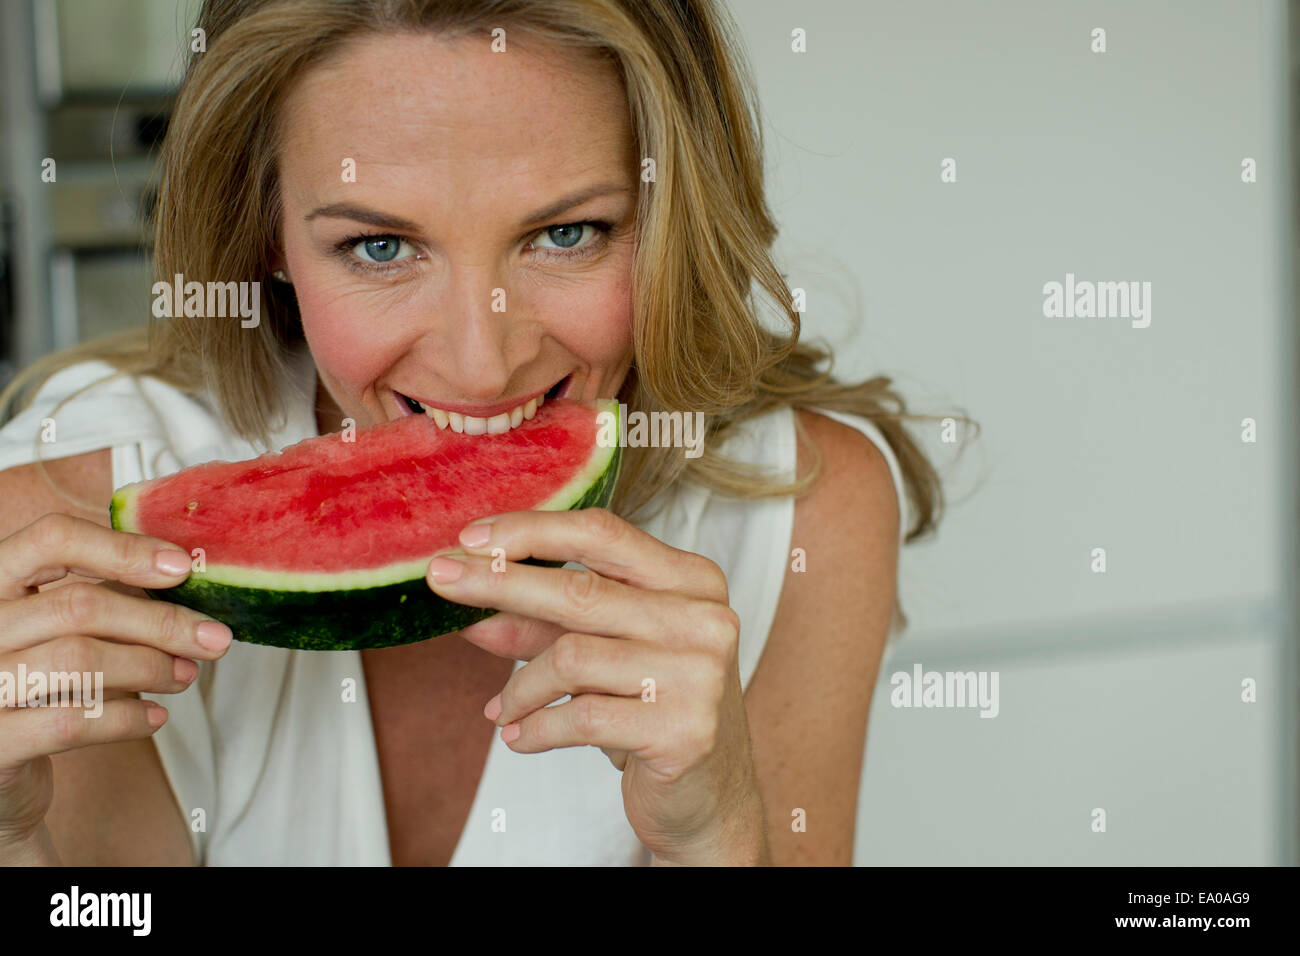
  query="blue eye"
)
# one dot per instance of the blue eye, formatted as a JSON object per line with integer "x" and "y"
{"x": 379, "y": 252}
{"x": 568, "y": 235}
{"x": 381, "y": 248}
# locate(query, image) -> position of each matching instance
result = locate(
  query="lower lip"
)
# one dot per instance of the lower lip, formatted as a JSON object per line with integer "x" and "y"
{"x": 405, "y": 409}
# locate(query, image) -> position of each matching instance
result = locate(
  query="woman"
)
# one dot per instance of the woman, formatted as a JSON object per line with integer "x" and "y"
{"x": 458, "y": 207}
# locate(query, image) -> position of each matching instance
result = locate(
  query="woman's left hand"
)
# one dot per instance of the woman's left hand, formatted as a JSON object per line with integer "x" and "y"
{"x": 645, "y": 643}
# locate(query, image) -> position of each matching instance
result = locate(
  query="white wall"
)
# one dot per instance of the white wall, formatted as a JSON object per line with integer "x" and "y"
{"x": 1119, "y": 690}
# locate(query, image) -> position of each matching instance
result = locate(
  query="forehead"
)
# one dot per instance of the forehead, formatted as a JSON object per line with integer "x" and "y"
{"x": 418, "y": 104}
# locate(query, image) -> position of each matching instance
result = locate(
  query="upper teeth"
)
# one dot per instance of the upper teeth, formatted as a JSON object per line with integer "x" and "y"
{"x": 496, "y": 425}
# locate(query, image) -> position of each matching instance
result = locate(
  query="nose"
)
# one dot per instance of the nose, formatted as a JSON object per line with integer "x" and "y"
{"x": 471, "y": 335}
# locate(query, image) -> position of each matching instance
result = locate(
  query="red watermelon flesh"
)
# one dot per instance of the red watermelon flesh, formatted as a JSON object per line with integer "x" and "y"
{"x": 402, "y": 490}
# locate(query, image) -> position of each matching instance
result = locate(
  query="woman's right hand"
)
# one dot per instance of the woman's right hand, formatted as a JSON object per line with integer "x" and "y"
{"x": 138, "y": 644}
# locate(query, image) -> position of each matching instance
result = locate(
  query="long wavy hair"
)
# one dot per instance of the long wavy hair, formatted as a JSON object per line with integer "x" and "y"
{"x": 704, "y": 229}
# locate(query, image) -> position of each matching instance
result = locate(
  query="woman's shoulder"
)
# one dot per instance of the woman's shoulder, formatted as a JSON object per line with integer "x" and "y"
{"x": 856, "y": 453}
{"x": 859, "y": 470}
{"x": 91, "y": 406}
{"x": 860, "y": 463}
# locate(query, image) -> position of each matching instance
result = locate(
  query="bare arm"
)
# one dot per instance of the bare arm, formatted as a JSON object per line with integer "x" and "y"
{"x": 809, "y": 698}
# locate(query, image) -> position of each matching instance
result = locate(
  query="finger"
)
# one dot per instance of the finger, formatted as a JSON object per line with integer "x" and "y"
{"x": 599, "y": 540}
{"x": 512, "y": 635}
{"x": 56, "y": 544}
{"x": 82, "y": 608}
{"x": 113, "y": 667}
{"x": 39, "y": 731}
{"x": 617, "y": 723}
{"x": 582, "y": 664}
{"x": 576, "y": 600}
{"x": 617, "y": 757}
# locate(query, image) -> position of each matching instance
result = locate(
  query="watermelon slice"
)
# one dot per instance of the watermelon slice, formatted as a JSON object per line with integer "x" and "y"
{"x": 325, "y": 545}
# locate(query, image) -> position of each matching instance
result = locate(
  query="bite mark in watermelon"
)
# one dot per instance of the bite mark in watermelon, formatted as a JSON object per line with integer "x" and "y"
{"x": 325, "y": 545}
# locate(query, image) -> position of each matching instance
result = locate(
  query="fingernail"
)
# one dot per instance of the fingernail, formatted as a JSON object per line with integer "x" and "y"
{"x": 445, "y": 570}
{"x": 476, "y": 535}
{"x": 493, "y": 709}
{"x": 172, "y": 562}
{"x": 185, "y": 670}
{"x": 155, "y": 715}
{"x": 510, "y": 733}
{"x": 214, "y": 635}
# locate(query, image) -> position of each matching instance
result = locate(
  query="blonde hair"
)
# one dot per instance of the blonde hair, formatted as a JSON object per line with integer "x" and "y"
{"x": 704, "y": 229}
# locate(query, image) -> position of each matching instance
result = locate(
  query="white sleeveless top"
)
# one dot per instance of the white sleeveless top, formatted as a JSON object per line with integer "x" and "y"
{"x": 285, "y": 771}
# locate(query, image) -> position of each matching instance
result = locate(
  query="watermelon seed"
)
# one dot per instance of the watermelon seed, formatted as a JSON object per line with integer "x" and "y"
{"x": 191, "y": 506}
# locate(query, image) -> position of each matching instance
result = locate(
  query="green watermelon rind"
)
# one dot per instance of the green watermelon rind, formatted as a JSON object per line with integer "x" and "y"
{"x": 397, "y": 612}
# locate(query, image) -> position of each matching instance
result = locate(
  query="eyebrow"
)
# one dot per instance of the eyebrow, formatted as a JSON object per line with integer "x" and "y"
{"x": 374, "y": 217}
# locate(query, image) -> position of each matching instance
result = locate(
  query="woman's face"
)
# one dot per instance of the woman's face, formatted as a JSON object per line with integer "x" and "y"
{"x": 431, "y": 233}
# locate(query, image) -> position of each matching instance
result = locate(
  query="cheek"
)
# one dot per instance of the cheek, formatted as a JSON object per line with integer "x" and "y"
{"x": 347, "y": 346}
{"x": 593, "y": 322}
{"x": 342, "y": 345}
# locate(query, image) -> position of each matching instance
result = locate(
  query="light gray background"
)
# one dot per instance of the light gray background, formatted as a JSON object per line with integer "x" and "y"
{"x": 1119, "y": 690}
